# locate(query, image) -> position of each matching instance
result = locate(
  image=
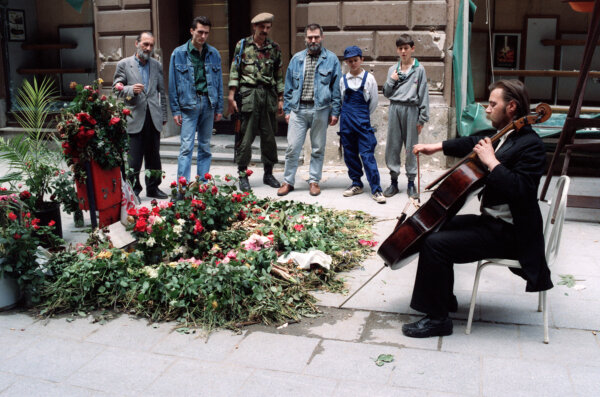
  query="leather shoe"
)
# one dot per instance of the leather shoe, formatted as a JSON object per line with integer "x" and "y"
{"x": 411, "y": 190}
{"x": 158, "y": 194}
{"x": 269, "y": 179}
{"x": 392, "y": 190}
{"x": 244, "y": 184}
{"x": 314, "y": 189}
{"x": 428, "y": 327}
{"x": 284, "y": 189}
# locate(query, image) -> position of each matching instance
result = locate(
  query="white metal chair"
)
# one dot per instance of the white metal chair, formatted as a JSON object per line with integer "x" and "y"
{"x": 552, "y": 234}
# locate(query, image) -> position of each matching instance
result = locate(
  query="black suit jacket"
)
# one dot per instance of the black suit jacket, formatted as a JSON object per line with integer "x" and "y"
{"x": 515, "y": 182}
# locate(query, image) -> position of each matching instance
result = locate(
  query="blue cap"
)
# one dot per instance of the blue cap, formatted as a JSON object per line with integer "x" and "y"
{"x": 352, "y": 51}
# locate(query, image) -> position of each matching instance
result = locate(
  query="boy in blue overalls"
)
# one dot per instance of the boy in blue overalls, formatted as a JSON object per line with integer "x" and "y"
{"x": 359, "y": 99}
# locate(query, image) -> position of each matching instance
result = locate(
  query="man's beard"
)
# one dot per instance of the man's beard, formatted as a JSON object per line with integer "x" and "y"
{"x": 313, "y": 47}
{"x": 144, "y": 56}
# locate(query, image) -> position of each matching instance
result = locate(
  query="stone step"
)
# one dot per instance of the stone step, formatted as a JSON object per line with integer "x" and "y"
{"x": 222, "y": 149}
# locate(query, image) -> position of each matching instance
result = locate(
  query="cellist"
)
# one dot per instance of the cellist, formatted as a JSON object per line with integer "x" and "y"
{"x": 510, "y": 224}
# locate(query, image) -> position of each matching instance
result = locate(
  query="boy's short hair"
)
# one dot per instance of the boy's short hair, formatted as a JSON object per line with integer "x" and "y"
{"x": 405, "y": 39}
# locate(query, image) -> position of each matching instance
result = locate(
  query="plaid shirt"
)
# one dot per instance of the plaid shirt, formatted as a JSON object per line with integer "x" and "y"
{"x": 308, "y": 86}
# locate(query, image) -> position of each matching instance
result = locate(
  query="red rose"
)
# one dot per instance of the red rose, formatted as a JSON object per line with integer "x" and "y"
{"x": 12, "y": 216}
{"x": 126, "y": 112}
{"x": 103, "y": 98}
{"x": 298, "y": 227}
{"x": 214, "y": 190}
{"x": 173, "y": 184}
{"x": 114, "y": 120}
{"x": 119, "y": 86}
{"x": 25, "y": 195}
{"x": 51, "y": 223}
{"x": 140, "y": 225}
{"x": 17, "y": 236}
{"x": 182, "y": 181}
{"x": 207, "y": 176}
{"x": 249, "y": 172}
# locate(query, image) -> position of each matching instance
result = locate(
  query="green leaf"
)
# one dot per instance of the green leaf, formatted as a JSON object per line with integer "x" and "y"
{"x": 383, "y": 358}
{"x": 567, "y": 279}
{"x": 123, "y": 283}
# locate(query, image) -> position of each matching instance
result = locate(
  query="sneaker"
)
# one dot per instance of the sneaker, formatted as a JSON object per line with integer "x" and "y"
{"x": 378, "y": 196}
{"x": 353, "y": 191}
{"x": 392, "y": 190}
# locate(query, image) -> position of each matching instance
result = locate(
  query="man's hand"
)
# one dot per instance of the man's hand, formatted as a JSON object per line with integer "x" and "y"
{"x": 485, "y": 151}
{"x": 232, "y": 108}
{"x": 137, "y": 88}
{"x": 427, "y": 148}
{"x": 419, "y": 128}
{"x": 177, "y": 120}
{"x": 287, "y": 118}
{"x": 218, "y": 116}
{"x": 333, "y": 120}
{"x": 280, "y": 107}
{"x": 394, "y": 75}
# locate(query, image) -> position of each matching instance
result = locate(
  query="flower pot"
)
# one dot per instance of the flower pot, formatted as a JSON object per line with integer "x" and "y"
{"x": 9, "y": 292}
{"x": 50, "y": 212}
{"x": 107, "y": 186}
{"x": 582, "y": 6}
{"x": 82, "y": 196}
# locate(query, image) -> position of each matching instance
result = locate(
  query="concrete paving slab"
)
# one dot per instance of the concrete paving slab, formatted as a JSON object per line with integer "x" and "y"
{"x": 267, "y": 382}
{"x": 349, "y": 327}
{"x": 511, "y": 308}
{"x": 14, "y": 320}
{"x": 586, "y": 288}
{"x": 349, "y": 361}
{"x": 585, "y": 380}
{"x": 386, "y": 329}
{"x": 125, "y": 330}
{"x": 120, "y": 371}
{"x": 196, "y": 378}
{"x": 522, "y": 377}
{"x": 356, "y": 389}
{"x": 568, "y": 312}
{"x": 577, "y": 264}
{"x": 567, "y": 346}
{"x": 213, "y": 347}
{"x": 14, "y": 343}
{"x": 496, "y": 340}
{"x": 75, "y": 327}
{"x": 438, "y": 371}
{"x": 51, "y": 358}
{"x": 272, "y": 351}
{"x": 34, "y": 387}
{"x": 6, "y": 380}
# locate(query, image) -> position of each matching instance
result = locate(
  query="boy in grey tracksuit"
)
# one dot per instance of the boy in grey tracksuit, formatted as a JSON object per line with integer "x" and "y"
{"x": 406, "y": 88}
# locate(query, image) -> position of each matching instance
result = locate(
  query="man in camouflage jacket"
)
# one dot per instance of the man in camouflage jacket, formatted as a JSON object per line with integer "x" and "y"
{"x": 256, "y": 72}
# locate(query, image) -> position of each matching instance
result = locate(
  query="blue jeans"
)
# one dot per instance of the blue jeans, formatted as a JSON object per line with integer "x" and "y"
{"x": 200, "y": 119}
{"x": 300, "y": 121}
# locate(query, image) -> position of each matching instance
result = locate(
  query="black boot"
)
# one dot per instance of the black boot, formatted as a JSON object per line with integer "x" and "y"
{"x": 244, "y": 182}
{"x": 392, "y": 190}
{"x": 269, "y": 179}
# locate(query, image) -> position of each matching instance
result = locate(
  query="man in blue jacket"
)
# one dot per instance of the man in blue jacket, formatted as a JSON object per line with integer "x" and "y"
{"x": 311, "y": 100}
{"x": 196, "y": 96}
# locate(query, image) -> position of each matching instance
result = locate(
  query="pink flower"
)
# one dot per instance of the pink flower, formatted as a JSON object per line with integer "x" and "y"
{"x": 261, "y": 217}
{"x": 298, "y": 227}
{"x": 51, "y": 223}
{"x": 367, "y": 243}
{"x": 119, "y": 86}
{"x": 182, "y": 181}
{"x": 214, "y": 190}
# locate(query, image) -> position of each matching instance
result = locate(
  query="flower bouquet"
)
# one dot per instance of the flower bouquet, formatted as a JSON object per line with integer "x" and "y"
{"x": 94, "y": 139}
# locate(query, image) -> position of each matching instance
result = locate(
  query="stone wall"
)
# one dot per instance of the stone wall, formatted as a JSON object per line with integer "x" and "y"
{"x": 374, "y": 26}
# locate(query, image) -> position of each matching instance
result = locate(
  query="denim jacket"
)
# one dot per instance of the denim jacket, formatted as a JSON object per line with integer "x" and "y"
{"x": 182, "y": 93}
{"x": 327, "y": 82}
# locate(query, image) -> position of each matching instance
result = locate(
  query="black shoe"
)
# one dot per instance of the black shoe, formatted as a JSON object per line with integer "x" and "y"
{"x": 427, "y": 327}
{"x": 392, "y": 190}
{"x": 411, "y": 190}
{"x": 159, "y": 194}
{"x": 269, "y": 179}
{"x": 244, "y": 184}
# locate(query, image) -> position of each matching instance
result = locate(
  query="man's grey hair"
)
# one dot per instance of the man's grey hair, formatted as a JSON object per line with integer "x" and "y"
{"x": 313, "y": 26}
{"x": 143, "y": 33}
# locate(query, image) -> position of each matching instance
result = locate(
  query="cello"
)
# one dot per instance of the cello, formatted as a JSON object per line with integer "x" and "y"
{"x": 456, "y": 186}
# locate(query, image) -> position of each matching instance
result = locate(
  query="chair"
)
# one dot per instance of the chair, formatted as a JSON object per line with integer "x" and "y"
{"x": 552, "y": 234}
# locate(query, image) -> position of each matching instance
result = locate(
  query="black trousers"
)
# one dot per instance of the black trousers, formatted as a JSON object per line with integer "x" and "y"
{"x": 145, "y": 146}
{"x": 464, "y": 239}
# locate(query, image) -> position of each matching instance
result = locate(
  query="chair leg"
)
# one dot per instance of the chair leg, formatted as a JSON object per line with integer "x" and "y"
{"x": 473, "y": 298}
{"x": 540, "y": 303}
{"x": 545, "y": 314}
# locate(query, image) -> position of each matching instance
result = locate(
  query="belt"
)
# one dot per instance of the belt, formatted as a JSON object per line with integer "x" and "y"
{"x": 258, "y": 85}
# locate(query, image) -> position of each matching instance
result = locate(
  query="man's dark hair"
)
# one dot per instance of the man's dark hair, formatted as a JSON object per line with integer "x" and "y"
{"x": 200, "y": 20}
{"x": 313, "y": 26}
{"x": 147, "y": 32}
{"x": 405, "y": 39}
{"x": 514, "y": 90}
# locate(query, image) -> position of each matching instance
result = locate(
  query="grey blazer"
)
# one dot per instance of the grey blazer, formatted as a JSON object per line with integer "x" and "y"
{"x": 153, "y": 96}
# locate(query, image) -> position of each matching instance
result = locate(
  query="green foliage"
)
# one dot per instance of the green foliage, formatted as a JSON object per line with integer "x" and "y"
{"x": 28, "y": 156}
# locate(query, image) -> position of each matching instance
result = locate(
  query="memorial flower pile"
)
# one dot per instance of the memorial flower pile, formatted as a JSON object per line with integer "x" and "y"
{"x": 211, "y": 259}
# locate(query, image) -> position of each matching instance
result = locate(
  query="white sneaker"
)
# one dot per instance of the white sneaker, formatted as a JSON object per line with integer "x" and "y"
{"x": 353, "y": 191}
{"x": 378, "y": 196}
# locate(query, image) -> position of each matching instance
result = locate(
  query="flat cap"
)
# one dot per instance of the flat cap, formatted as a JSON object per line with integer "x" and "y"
{"x": 352, "y": 51}
{"x": 262, "y": 17}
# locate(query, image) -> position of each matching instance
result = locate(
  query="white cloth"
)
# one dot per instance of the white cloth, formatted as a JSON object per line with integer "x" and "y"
{"x": 370, "y": 91}
{"x": 303, "y": 260}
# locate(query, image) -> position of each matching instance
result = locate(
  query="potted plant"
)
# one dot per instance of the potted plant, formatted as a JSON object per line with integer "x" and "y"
{"x": 94, "y": 141}
{"x": 21, "y": 237}
{"x": 31, "y": 159}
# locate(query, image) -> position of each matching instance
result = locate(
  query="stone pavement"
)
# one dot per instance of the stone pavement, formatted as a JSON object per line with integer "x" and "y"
{"x": 333, "y": 355}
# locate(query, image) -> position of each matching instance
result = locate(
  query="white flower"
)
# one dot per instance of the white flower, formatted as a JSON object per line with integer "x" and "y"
{"x": 150, "y": 242}
{"x": 181, "y": 221}
{"x": 150, "y": 271}
{"x": 177, "y": 229}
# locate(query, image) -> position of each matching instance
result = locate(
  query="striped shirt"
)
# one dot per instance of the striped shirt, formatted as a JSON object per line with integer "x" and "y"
{"x": 308, "y": 86}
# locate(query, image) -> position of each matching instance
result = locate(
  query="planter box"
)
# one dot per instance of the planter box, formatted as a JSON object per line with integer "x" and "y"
{"x": 9, "y": 292}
